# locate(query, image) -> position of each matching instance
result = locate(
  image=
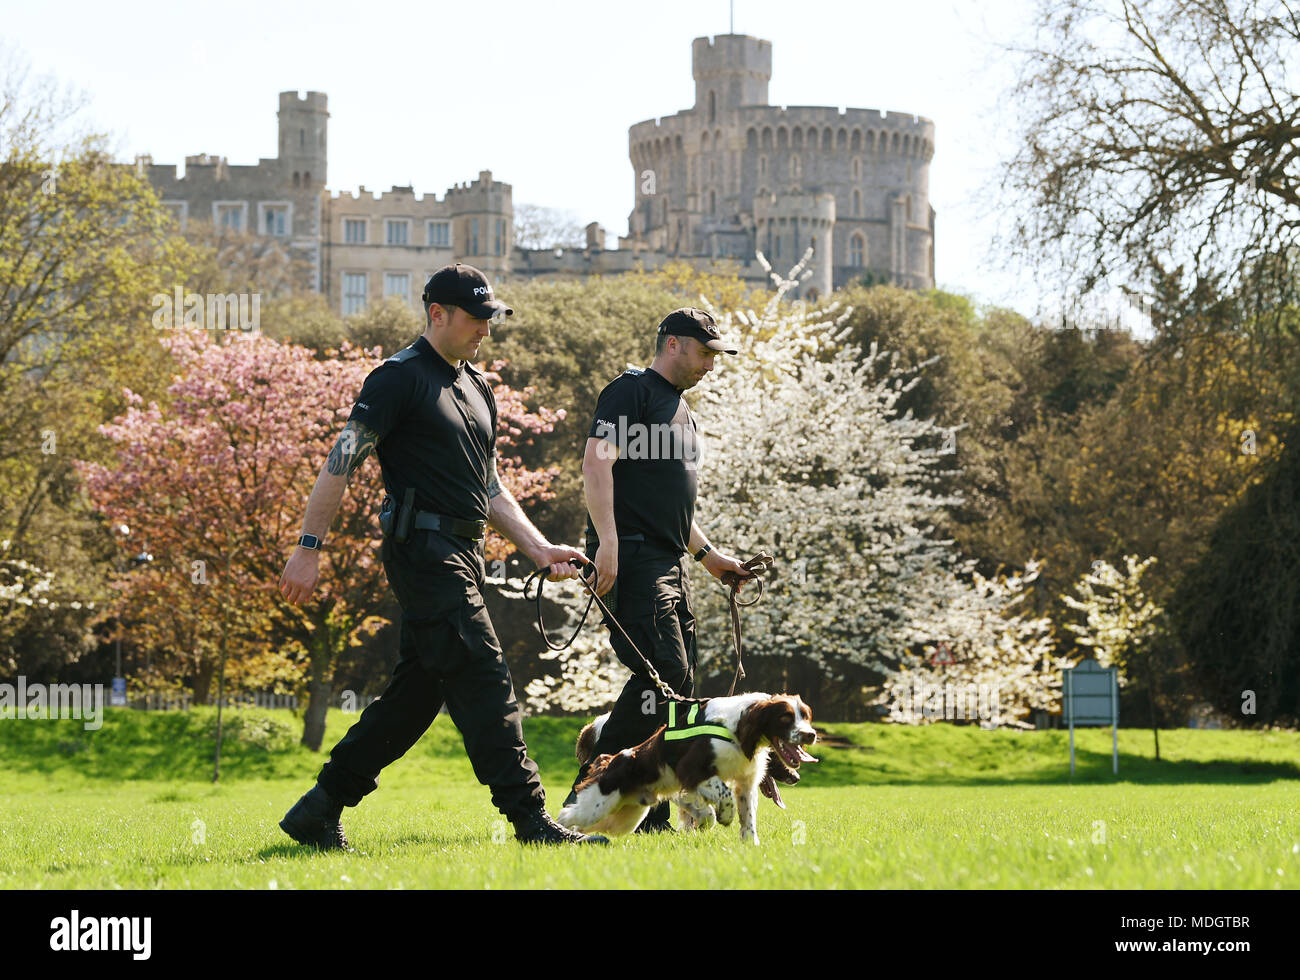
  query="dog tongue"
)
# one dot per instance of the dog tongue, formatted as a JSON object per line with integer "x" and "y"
{"x": 803, "y": 754}
{"x": 768, "y": 788}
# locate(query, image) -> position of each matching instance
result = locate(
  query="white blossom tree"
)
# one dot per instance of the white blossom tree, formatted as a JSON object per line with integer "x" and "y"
{"x": 1118, "y": 617}
{"x": 805, "y": 455}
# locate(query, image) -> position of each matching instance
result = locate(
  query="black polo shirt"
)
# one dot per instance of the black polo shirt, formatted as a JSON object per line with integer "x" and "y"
{"x": 437, "y": 430}
{"x": 655, "y": 475}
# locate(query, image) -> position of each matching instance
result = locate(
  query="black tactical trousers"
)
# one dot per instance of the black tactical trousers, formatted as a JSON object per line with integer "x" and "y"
{"x": 653, "y": 602}
{"x": 449, "y": 654}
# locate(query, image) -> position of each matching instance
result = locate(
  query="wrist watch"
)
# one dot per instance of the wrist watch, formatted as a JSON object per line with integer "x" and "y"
{"x": 309, "y": 541}
{"x": 699, "y": 555}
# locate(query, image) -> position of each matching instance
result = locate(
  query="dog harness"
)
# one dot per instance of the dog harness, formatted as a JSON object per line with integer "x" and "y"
{"x": 683, "y": 726}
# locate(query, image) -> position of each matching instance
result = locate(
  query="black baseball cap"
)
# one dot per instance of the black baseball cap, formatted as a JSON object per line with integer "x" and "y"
{"x": 690, "y": 322}
{"x": 464, "y": 286}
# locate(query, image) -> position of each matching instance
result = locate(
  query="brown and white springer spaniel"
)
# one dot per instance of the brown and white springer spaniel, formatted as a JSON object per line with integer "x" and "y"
{"x": 708, "y": 776}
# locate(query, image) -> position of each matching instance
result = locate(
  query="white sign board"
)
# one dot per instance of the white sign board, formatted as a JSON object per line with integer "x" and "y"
{"x": 1092, "y": 698}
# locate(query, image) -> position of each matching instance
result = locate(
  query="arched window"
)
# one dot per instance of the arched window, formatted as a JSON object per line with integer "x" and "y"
{"x": 857, "y": 203}
{"x": 713, "y": 106}
{"x": 782, "y": 138}
{"x": 751, "y": 139}
{"x": 857, "y": 250}
{"x": 762, "y": 166}
{"x": 857, "y": 168}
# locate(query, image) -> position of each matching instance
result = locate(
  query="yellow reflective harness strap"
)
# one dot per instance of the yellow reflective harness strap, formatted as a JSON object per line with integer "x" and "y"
{"x": 691, "y": 730}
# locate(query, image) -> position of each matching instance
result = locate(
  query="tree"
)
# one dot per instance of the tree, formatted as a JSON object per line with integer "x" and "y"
{"x": 84, "y": 244}
{"x": 1237, "y": 611}
{"x": 1160, "y": 134}
{"x": 539, "y": 227}
{"x": 807, "y": 454}
{"x": 218, "y": 483}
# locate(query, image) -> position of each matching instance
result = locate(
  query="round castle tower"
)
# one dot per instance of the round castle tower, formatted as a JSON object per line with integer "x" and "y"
{"x": 700, "y": 173}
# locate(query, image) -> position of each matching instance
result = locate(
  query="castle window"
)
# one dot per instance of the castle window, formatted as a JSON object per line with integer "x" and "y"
{"x": 713, "y": 202}
{"x": 909, "y": 207}
{"x": 229, "y": 214}
{"x": 857, "y": 250}
{"x": 767, "y": 137}
{"x": 397, "y": 231}
{"x": 855, "y": 143}
{"x": 751, "y": 139}
{"x": 499, "y": 239}
{"x": 857, "y": 203}
{"x": 439, "y": 233}
{"x": 796, "y": 168}
{"x": 796, "y": 139}
{"x": 826, "y": 140}
{"x": 302, "y": 138}
{"x": 841, "y": 139}
{"x": 473, "y": 237}
{"x": 354, "y": 292}
{"x": 354, "y": 231}
{"x": 398, "y": 284}
{"x": 713, "y": 106}
{"x": 857, "y": 167}
{"x": 762, "y": 166}
{"x": 782, "y": 138}
{"x": 274, "y": 219}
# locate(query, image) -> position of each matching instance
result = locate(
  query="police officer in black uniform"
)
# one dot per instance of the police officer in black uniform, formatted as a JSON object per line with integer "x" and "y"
{"x": 432, "y": 418}
{"x": 640, "y": 473}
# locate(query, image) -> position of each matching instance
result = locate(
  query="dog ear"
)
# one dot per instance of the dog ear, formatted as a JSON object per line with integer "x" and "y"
{"x": 586, "y": 743}
{"x": 756, "y": 721}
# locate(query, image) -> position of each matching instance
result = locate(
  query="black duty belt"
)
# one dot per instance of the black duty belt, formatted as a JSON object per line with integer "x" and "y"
{"x": 428, "y": 521}
{"x": 400, "y": 520}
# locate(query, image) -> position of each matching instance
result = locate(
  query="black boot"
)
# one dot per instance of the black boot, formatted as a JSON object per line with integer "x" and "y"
{"x": 314, "y": 820}
{"x": 658, "y": 821}
{"x": 538, "y": 827}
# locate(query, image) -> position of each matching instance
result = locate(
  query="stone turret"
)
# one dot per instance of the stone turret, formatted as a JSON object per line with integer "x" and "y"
{"x": 730, "y": 71}
{"x": 303, "y": 124}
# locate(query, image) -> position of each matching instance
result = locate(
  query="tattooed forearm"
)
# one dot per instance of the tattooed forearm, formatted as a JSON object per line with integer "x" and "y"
{"x": 494, "y": 483}
{"x": 354, "y": 445}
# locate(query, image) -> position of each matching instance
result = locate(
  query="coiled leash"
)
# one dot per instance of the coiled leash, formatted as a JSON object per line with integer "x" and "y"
{"x": 758, "y": 566}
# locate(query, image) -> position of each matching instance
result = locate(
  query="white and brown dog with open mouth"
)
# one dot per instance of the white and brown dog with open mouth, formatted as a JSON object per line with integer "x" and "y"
{"x": 709, "y": 758}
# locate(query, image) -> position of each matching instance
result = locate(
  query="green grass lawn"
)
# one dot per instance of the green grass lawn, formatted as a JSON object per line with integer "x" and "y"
{"x": 133, "y": 806}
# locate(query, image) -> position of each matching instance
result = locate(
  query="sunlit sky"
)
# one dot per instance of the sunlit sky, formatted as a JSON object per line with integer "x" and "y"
{"x": 429, "y": 94}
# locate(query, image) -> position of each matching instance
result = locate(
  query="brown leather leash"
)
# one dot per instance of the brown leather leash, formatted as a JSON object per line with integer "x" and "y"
{"x": 758, "y": 566}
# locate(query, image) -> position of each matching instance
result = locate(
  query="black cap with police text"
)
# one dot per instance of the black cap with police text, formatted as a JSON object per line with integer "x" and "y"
{"x": 464, "y": 286}
{"x": 690, "y": 322}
